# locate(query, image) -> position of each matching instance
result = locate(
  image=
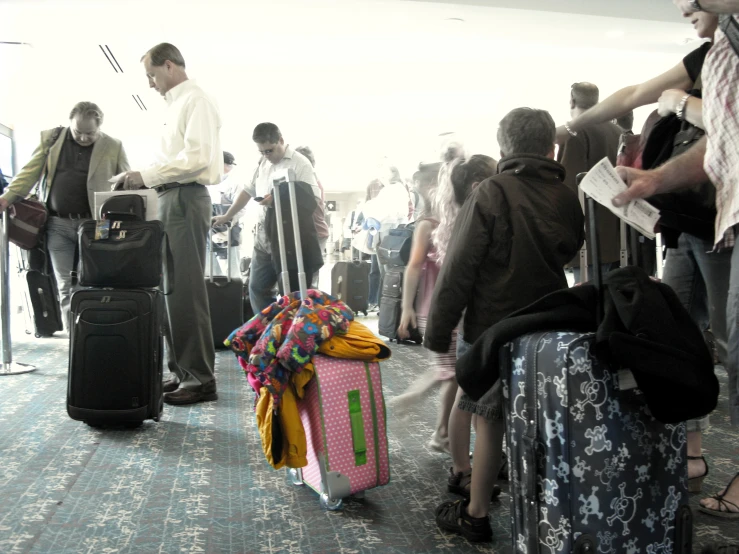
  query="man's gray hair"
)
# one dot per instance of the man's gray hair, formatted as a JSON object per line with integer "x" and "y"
{"x": 88, "y": 110}
{"x": 163, "y": 52}
{"x": 526, "y": 131}
{"x": 584, "y": 95}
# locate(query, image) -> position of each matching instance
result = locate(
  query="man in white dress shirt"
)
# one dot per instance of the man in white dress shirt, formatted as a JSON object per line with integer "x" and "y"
{"x": 190, "y": 159}
{"x": 277, "y": 157}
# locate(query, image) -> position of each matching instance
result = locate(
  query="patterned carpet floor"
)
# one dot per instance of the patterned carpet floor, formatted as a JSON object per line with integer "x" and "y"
{"x": 197, "y": 481}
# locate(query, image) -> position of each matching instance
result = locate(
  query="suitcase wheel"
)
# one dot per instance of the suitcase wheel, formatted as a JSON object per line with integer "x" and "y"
{"x": 295, "y": 477}
{"x": 329, "y": 503}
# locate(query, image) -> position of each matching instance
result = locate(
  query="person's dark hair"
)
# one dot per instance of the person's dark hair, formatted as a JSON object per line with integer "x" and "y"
{"x": 308, "y": 153}
{"x": 88, "y": 110}
{"x": 584, "y": 95}
{"x": 626, "y": 121}
{"x": 266, "y": 133}
{"x": 475, "y": 170}
{"x": 526, "y": 131}
{"x": 163, "y": 52}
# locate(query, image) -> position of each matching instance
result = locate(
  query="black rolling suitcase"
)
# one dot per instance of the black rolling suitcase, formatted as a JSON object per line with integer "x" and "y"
{"x": 591, "y": 470}
{"x": 225, "y": 298}
{"x": 42, "y": 296}
{"x": 115, "y": 356}
{"x": 350, "y": 283}
{"x": 391, "y": 306}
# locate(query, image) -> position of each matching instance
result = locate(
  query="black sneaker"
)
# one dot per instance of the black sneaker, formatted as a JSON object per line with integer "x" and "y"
{"x": 453, "y": 516}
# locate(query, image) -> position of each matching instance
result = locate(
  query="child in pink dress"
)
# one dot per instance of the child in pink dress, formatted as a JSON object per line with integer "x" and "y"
{"x": 456, "y": 179}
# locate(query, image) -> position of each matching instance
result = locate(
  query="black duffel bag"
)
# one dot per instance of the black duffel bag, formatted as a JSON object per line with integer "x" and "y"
{"x": 130, "y": 257}
{"x": 395, "y": 246}
{"x": 125, "y": 203}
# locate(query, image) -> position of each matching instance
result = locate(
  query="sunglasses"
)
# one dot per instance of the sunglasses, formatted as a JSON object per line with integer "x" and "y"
{"x": 266, "y": 152}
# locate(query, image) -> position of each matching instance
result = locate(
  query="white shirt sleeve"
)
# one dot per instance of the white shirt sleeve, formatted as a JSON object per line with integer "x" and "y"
{"x": 201, "y": 134}
{"x": 306, "y": 174}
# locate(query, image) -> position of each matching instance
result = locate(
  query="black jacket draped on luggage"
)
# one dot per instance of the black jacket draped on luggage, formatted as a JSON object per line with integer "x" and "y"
{"x": 645, "y": 328}
{"x": 306, "y": 202}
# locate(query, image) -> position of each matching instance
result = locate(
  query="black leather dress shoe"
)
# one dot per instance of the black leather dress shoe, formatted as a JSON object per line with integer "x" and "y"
{"x": 183, "y": 397}
{"x": 171, "y": 384}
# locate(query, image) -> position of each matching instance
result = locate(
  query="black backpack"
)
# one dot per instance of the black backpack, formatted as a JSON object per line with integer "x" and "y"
{"x": 395, "y": 246}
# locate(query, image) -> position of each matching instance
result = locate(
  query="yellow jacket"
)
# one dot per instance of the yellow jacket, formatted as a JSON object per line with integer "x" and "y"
{"x": 283, "y": 440}
{"x": 359, "y": 343}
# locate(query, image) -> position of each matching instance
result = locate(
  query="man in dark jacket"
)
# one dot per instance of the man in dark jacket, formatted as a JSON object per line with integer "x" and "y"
{"x": 582, "y": 150}
{"x": 511, "y": 240}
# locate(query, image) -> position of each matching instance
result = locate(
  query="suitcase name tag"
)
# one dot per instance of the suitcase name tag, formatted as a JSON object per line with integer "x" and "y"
{"x": 102, "y": 229}
{"x": 626, "y": 380}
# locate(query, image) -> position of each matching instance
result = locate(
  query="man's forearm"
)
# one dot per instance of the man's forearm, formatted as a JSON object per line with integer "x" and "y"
{"x": 238, "y": 204}
{"x": 685, "y": 170}
{"x": 612, "y": 107}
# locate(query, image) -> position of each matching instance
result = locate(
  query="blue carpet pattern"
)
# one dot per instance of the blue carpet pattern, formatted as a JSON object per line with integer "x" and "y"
{"x": 197, "y": 482}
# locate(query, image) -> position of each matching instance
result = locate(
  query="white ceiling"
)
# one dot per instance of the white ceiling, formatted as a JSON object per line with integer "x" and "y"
{"x": 356, "y": 79}
{"x": 655, "y": 10}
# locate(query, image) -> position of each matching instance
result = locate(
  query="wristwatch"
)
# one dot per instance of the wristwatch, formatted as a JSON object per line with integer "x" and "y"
{"x": 695, "y": 6}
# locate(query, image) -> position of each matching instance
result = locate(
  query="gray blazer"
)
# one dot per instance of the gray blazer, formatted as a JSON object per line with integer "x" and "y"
{"x": 108, "y": 159}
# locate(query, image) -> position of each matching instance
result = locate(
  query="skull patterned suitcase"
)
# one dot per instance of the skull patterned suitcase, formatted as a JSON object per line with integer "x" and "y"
{"x": 590, "y": 469}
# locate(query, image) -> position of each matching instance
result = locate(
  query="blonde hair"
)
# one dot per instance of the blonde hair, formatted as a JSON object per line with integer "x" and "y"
{"x": 455, "y": 184}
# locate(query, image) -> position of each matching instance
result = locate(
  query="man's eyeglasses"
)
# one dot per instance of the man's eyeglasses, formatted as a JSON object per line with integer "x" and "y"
{"x": 266, "y": 152}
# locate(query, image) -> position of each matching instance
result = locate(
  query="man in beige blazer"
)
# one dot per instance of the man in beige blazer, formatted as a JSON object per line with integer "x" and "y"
{"x": 81, "y": 159}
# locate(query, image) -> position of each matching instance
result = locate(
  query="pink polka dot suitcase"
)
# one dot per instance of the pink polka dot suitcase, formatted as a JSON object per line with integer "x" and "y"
{"x": 343, "y": 413}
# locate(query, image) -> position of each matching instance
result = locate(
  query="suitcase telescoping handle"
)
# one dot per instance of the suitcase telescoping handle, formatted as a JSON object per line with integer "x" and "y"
{"x": 289, "y": 182}
{"x": 212, "y": 256}
{"x": 592, "y": 241}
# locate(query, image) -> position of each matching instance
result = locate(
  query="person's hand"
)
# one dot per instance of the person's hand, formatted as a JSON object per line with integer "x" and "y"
{"x": 407, "y": 321}
{"x": 3, "y": 205}
{"x": 220, "y": 220}
{"x": 669, "y": 100}
{"x": 642, "y": 184}
{"x": 130, "y": 180}
{"x": 266, "y": 201}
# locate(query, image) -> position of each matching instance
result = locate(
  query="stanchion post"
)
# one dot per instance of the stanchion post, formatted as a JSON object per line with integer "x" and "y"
{"x": 9, "y": 367}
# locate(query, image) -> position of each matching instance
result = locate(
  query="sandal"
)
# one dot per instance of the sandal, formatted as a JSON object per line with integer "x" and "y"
{"x": 459, "y": 483}
{"x": 695, "y": 483}
{"x": 453, "y": 516}
{"x": 725, "y": 509}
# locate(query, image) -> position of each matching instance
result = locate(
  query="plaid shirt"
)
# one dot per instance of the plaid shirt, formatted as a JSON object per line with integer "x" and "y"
{"x": 721, "y": 118}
